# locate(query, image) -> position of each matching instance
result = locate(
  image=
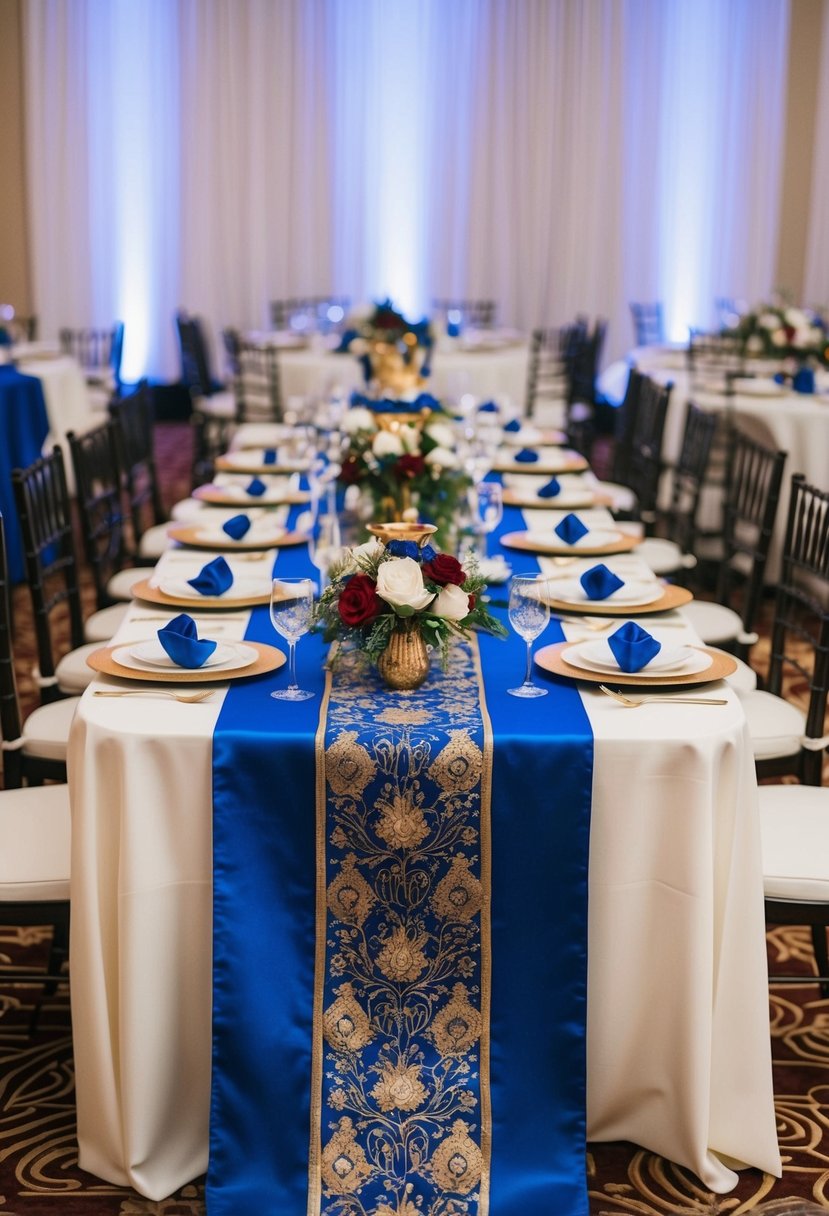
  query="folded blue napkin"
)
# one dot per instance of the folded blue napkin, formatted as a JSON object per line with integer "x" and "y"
{"x": 513, "y": 427}
{"x": 269, "y": 456}
{"x": 633, "y": 647}
{"x": 182, "y": 643}
{"x": 599, "y": 582}
{"x": 804, "y": 380}
{"x": 214, "y": 578}
{"x": 526, "y": 456}
{"x": 488, "y": 407}
{"x": 551, "y": 489}
{"x": 237, "y": 527}
{"x": 571, "y": 529}
{"x": 256, "y": 487}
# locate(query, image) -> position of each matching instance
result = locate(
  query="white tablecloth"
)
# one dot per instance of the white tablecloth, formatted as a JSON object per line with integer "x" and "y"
{"x": 678, "y": 1037}
{"x": 796, "y": 423}
{"x": 465, "y": 366}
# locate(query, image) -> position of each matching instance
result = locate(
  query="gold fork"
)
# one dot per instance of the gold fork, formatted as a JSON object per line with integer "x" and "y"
{"x": 635, "y": 702}
{"x": 188, "y": 698}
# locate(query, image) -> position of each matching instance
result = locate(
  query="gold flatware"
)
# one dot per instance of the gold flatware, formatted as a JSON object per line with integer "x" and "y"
{"x": 189, "y": 698}
{"x": 635, "y": 702}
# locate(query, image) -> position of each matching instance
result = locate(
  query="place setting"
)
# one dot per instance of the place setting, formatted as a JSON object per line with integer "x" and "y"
{"x": 599, "y": 589}
{"x": 216, "y": 585}
{"x": 234, "y": 490}
{"x": 550, "y": 461}
{"x": 572, "y": 536}
{"x": 243, "y": 531}
{"x": 567, "y": 492}
{"x": 259, "y": 461}
{"x": 177, "y": 654}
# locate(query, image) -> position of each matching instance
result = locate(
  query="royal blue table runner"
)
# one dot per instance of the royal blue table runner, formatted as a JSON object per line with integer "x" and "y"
{"x": 450, "y": 831}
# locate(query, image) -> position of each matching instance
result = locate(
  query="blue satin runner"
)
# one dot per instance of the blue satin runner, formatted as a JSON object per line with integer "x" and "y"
{"x": 404, "y": 1066}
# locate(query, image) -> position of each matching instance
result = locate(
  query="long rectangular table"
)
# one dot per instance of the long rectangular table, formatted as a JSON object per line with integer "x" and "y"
{"x": 678, "y": 1056}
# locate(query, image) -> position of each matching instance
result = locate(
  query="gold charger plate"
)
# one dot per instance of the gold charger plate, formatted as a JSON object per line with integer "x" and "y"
{"x": 154, "y": 595}
{"x": 520, "y": 540}
{"x": 514, "y": 498}
{"x": 190, "y": 536}
{"x": 552, "y": 659}
{"x": 270, "y": 659}
{"x": 672, "y": 597}
{"x": 542, "y": 468}
{"x": 217, "y": 496}
{"x": 252, "y": 465}
{"x": 547, "y": 438}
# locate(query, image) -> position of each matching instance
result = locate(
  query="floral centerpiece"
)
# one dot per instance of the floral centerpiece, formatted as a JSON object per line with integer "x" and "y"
{"x": 396, "y": 597}
{"x": 775, "y": 331}
{"x": 402, "y": 453}
{"x": 394, "y": 353}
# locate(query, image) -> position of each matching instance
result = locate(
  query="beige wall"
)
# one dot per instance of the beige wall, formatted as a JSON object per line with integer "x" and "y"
{"x": 15, "y": 279}
{"x": 804, "y": 67}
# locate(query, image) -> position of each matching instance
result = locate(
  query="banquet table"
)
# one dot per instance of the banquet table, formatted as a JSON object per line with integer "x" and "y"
{"x": 678, "y": 1053}
{"x": 484, "y": 368}
{"x": 797, "y": 423}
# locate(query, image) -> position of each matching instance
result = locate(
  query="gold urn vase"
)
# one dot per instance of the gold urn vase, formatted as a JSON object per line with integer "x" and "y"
{"x": 404, "y": 664}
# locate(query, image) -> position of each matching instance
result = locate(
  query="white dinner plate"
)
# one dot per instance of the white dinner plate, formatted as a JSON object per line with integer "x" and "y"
{"x": 571, "y": 591}
{"x": 671, "y": 660}
{"x": 759, "y": 386}
{"x": 237, "y": 491}
{"x": 241, "y": 588}
{"x": 246, "y": 457}
{"x": 567, "y": 500}
{"x": 218, "y": 536}
{"x": 151, "y": 656}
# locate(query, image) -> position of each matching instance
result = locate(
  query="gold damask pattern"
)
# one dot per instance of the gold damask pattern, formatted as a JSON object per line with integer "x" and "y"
{"x": 402, "y": 1118}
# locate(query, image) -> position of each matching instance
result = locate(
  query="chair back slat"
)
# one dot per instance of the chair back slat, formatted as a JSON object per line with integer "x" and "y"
{"x": 100, "y": 505}
{"x": 10, "y": 721}
{"x": 134, "y": 417}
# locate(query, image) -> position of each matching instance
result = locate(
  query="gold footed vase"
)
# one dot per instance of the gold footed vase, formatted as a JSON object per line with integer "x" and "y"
{"x": 404, "y": 664}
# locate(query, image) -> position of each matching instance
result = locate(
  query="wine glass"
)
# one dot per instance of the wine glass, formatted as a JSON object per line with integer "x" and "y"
{"x": 489, "y": 504}
{"x": 292, "y": 602}
{"x": 529, "y": 614}
{"x": 325, "y": 543}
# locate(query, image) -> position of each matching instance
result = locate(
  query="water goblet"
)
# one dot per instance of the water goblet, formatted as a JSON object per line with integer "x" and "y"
{"x": 325, "y": 543}
{"x": 529, "y": 614}
{"x": 489, "y": 504}
{"x": 292, "y": 603}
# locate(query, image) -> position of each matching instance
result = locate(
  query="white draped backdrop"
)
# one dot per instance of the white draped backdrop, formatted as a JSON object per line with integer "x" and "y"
{"x": 558, "y": 156}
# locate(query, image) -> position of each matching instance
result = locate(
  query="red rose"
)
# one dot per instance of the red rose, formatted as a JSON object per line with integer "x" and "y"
{"x": 359, "y": 602}
{"x": 443, "y": 569}
{"x": 409, "y": 467}
{"x": 473, "y": 599}
{"x": 350, "y": 472}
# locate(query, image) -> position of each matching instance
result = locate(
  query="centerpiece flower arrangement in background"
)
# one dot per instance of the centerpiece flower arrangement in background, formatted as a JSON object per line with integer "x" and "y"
{"x": 775, "y": 331}
{"x": 402, "y": 453}
{"x": 394, "y": 599}
{"x": 394, "y": 353}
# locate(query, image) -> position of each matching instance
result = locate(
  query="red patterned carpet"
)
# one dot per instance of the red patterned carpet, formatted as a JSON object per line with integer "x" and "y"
{"x": 39, "y": 1175}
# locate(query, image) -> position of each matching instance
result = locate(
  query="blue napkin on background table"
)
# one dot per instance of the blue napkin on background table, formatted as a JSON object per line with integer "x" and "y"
{"x": 214, "y": 578}
{"x": 237, "y": 527}
{"x": 256, "y": 487}
{"x": 599, "y": 582}
{"x": 633, "y": 647}
{"x": 550, "y": 489}
{"x": 526, "y": 456}
{"x": 488, "y": 407}
{"x": 180, "y": 640}
{"x": 571, "y": 529}
{"x": 269, "y": 456}
{"x": 513, "y": 427}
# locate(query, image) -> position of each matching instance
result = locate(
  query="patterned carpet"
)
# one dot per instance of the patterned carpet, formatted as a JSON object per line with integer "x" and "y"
{"x": 39, "y": 1175}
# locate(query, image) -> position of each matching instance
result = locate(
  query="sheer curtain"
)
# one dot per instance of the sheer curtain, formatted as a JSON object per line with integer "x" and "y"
{"x": 817, "y": 247}
{"x": 557, "y": 156}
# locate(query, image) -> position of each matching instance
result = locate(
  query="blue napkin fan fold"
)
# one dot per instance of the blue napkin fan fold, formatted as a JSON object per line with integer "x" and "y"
{"x": 256, "y": 487}
{"x": 214, "y": 578}
{"x": 237, "y": 527}
{"x": 269, "y": 456}
{"x": 571, "y": 529}
{"x": 599, "y": 582}
{"x": 633, "y": 647}
{"x": 513, "y": 427}
{"x": 488, "y": 407}
{"x": 526, "y": 456}
{"x": 180, "y": 640}
{"x": 551, "y": 489}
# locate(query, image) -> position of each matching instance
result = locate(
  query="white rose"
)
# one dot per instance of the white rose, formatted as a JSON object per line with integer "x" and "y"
{"x": 400, "y": 584}
{"x": 802, "y": 339}
{"x": 451, "y": 603}
{"x": 443, "y": 458}
{"x": 778, "y": 338}
{"x": 442, "y": 434}
{"x": 768, "y": 320}
{"x": 754, "y": 344}
{"x": 361, "y": 553}
{"x": 796, "y": 317}
{"x": 358, "y": 418}
{"x": 385, "y": 443}
{"x": 410, "y": 438}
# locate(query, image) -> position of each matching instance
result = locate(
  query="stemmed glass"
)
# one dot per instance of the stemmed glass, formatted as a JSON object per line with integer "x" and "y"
{"x": 529, "y": 614}
{"x": 292, "y": 603}
{"x": 489, "y": 501}
{"x": 324, "y": 543}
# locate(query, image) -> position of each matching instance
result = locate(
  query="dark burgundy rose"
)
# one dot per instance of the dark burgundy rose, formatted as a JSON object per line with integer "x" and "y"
{"x": 359, "y": 602}
{"x": 473, "y": 599}
{"x": 408, "y": 467}
{"x": 443, "y": 569}
{"x": 350, "y": 472}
